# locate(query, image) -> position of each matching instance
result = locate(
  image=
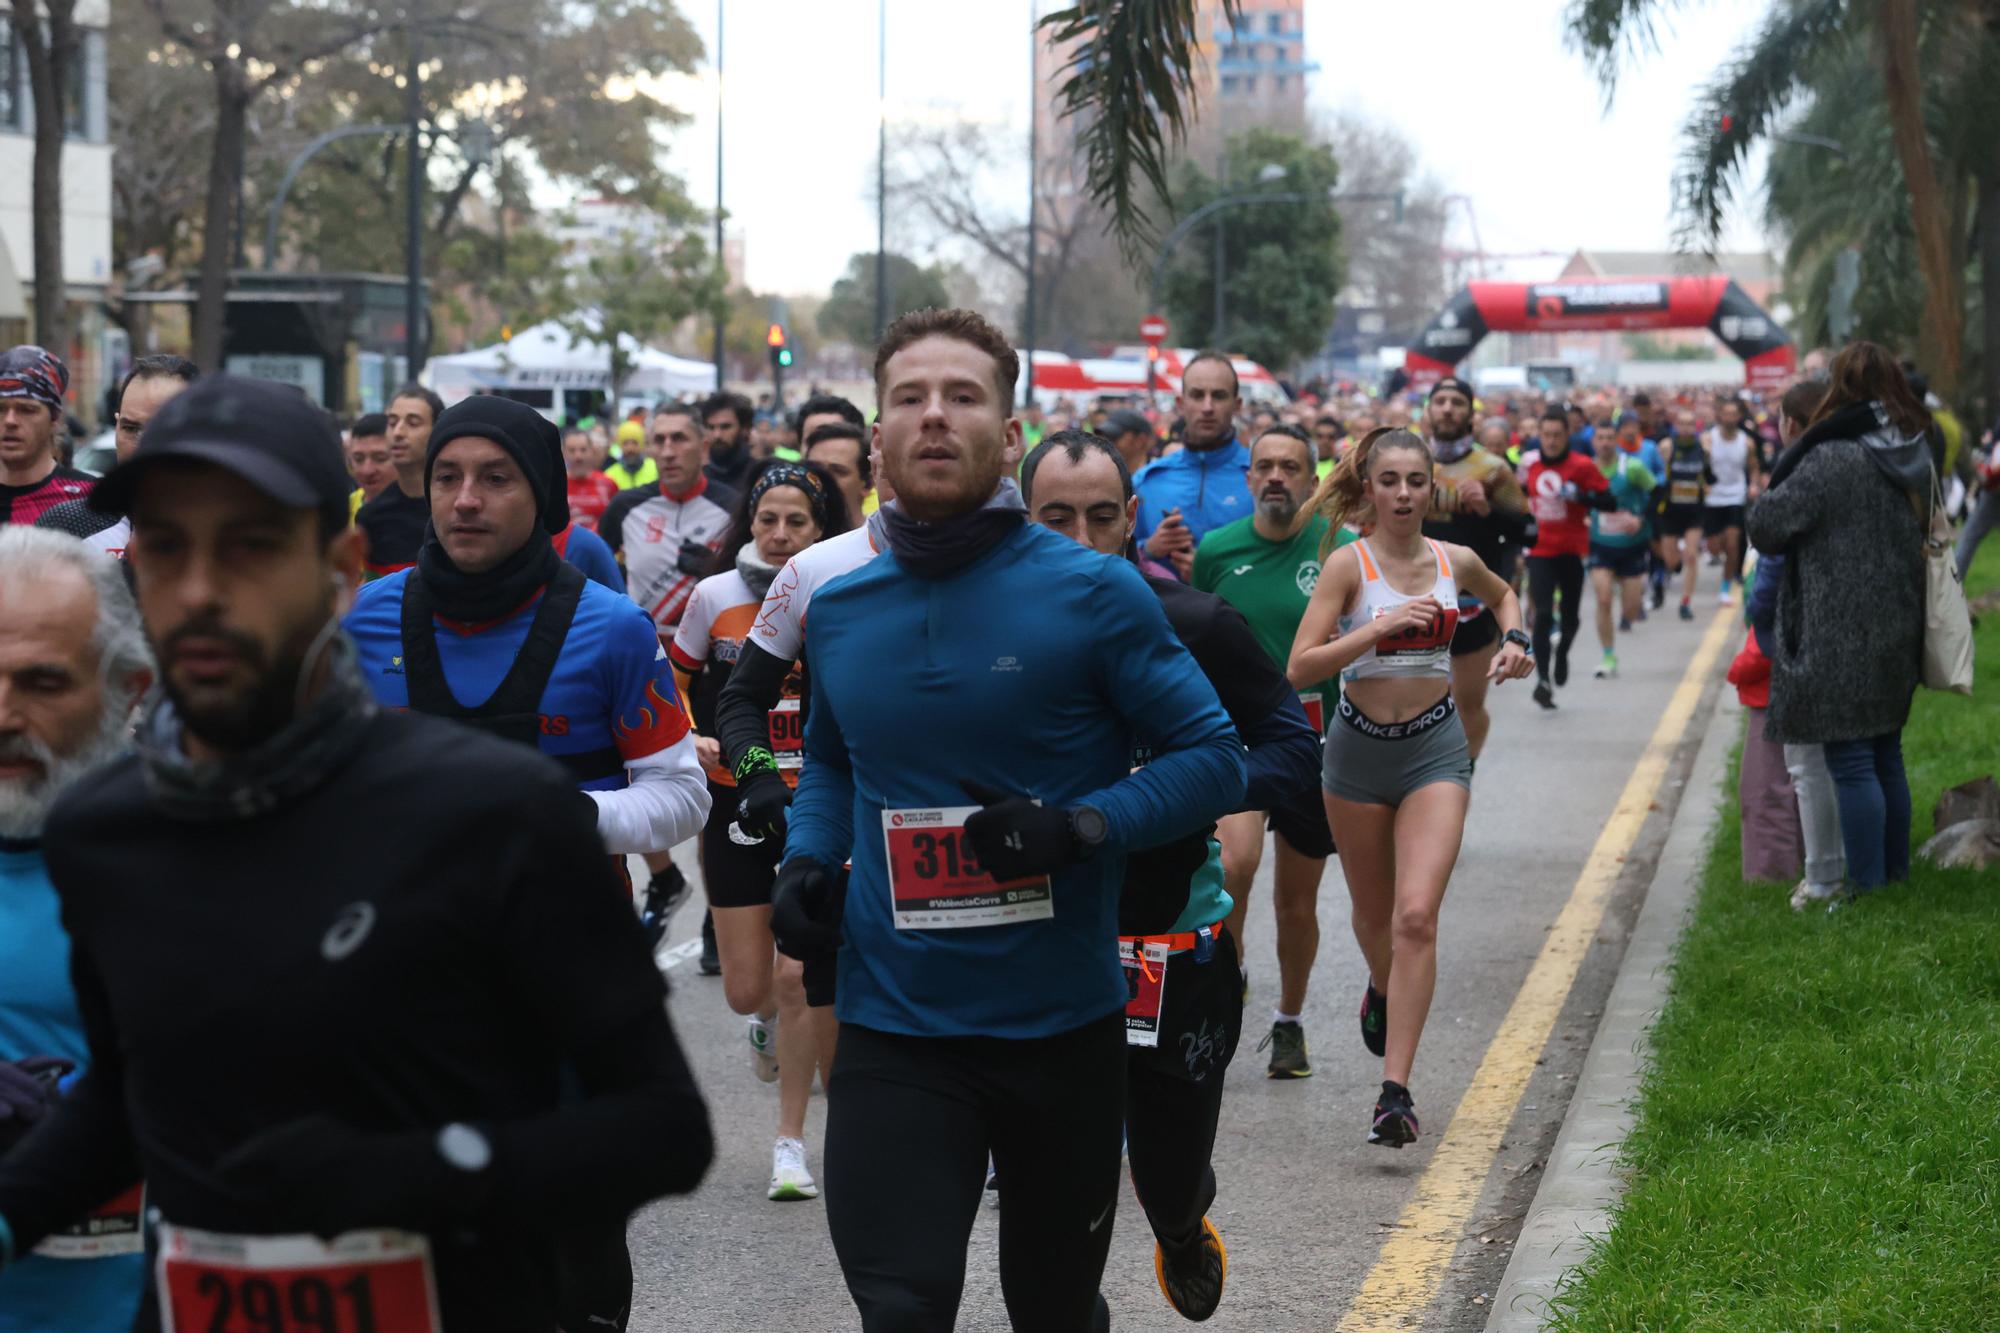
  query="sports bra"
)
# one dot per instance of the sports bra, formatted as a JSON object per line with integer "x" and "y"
{"x": 1414, "y": 652}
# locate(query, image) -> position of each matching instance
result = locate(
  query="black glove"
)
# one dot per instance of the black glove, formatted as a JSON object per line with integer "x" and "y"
{"x": 27, "y": 1094}
{"x": 1016, "y": 837}
{"x": 318, "y": 1175}
{"x": 1157, "y": 879}
{"x": 695, "y": 559}
{"x": 807, "y": 900}
{"x": 762, "y": 798}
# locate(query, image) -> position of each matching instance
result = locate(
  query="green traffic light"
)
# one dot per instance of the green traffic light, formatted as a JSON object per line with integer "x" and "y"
{"x": 784, "y": 356}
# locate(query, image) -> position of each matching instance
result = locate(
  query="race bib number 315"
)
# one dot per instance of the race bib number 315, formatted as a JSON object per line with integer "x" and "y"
{"x": 937, "y": 883}
{"x": 362, "y": 1282}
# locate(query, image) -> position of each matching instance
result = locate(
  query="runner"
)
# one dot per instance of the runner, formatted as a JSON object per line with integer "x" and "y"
{"x": 1619, "y": 539}
{"x": 1181, "y": 961}
{"x": 1477, "y": 503}
{"x": 1190, "y": 492}
{"x": 1398, "y": 775}
{"x": 788, "y": 507}
{"x": 393, "y": 522}
{"x": 73, "y": 662}
{"x": 1732, "y": 459}
{"x": 33, "y": 479}
{"x": 148, "y": 385}
{"x": 593, "y": 559}
{"x": 633, "y": 467}
{"x": 367, "y": 454}
{"x": 590, "y": 491}
{"x": 1688, "y": 479}
{"x": 1266, "y": 566}
{"x": 1562, "y": 487}
{"x": 463, "y": 1048}
{"x": 992, "y": 661}
{"x": 843, "y": 451}
{"x": 725, "y": 419}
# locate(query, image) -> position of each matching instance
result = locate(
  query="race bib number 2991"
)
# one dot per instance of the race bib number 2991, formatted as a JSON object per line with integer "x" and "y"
{"x": 936, "y": 880}
{"x": 362, "y": 1282}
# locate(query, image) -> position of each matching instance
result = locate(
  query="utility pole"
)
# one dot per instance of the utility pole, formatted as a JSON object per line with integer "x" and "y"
{"x": 722, "y": 316}
{"x": 413, "y": 312}
{"x": 881, "y": 169}
{"x": 1034, "y": 199}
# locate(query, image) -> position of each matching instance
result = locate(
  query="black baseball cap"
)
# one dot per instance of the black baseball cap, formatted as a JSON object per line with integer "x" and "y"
{"x": 1453, "y": 384}
{"x": 269, "y": 434}
{"x": 1125, "y": 421}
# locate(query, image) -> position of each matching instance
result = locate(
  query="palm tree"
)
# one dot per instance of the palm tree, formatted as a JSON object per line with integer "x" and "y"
{"x": 1128, "y": 84}
{"x": 1748, "y": 100}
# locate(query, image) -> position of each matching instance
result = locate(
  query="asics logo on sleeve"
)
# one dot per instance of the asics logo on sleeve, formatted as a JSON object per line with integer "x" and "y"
{"x": 348, "y": 931}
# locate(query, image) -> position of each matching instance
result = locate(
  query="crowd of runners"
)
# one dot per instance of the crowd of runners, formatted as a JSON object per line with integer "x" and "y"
{"x": 328, "y": 999}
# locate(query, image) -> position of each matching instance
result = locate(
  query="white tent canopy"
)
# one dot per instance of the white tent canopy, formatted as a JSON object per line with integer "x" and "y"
{"x": 546, "y": 357}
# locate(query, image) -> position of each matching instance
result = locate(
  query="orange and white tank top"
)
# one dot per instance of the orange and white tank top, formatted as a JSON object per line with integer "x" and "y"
{"x": 1414, "y": 652}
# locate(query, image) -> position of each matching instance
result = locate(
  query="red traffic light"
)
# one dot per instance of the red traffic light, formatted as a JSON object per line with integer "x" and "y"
{"x": 776, "y": 337}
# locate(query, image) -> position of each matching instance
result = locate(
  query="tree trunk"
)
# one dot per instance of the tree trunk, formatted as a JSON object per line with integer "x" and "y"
{"x": 218, "y": 227}
{"x": 51, "y": 59}
{"x": 1944, "y": 303}
{"x": 1989, "y": 288}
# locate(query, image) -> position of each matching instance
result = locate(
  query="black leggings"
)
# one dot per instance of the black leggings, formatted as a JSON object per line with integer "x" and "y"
{"x": 1174, "y": 1091}
{"x": 596, "y": 1277}
{"x": 909, "y": 1123}
{"x": 1546, "y": 574}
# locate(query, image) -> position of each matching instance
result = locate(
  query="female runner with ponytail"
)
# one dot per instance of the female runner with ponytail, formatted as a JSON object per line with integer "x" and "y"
{"x": 1397, "y": 775}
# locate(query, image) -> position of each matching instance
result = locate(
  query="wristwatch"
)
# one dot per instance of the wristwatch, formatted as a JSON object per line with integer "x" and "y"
{"x": 1087, "y": 831}
{"x": 1522, "y": 641}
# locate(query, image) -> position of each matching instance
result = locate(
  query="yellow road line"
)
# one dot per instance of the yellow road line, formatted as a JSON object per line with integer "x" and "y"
{"x": 1400, "y": 1288}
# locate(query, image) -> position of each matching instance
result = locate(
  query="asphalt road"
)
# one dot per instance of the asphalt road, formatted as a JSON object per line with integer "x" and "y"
{"x": 1304, "y": 1202}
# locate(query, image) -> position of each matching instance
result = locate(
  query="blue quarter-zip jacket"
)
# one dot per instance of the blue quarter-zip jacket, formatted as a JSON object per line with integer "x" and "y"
{"x": 1037, "y": 668}
{"x": 1210, "y": 487}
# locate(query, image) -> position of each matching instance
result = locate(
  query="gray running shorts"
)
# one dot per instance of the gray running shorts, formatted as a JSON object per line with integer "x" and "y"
{"x": 1379, "y": 763}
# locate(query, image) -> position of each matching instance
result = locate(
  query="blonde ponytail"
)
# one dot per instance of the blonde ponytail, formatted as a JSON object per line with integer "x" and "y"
{"x": 1342, "y": 495}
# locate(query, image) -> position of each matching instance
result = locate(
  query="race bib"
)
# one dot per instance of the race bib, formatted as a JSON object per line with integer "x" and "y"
{"x": 1684, "y": 493}
{"x": 788, "y": 734}
{"x": 1145, "y": 990}
{"x": 362, "y": 1282}
{"x": 937, "y": 883}
{"x": 110, "y": 1229}
{"x": 1550, "y": 508}
{"x": 1619, "y": 524}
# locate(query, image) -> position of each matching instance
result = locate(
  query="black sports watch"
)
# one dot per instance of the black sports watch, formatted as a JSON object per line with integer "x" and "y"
{"x": 1087, "y": 831}
{"x": 1520, "y": 640}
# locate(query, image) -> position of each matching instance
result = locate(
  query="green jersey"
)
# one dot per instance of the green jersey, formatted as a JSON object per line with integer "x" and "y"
{"x": 1630, "y": 524}
{"x": 1270, "y": 583}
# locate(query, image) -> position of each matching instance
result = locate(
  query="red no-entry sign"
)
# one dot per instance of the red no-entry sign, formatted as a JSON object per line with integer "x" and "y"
{"x": 1153, "y": 328}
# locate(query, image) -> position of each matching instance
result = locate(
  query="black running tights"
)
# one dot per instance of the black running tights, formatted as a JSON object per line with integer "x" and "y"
{"x": 1546, "y": 575}
{"x": 909, "y": 1123}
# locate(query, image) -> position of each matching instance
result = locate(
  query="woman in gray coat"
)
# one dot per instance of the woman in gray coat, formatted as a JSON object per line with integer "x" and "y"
{"x": 1843, "y": 506}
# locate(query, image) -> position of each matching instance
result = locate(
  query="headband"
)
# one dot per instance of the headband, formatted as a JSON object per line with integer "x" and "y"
{"x": 793, "y": 474}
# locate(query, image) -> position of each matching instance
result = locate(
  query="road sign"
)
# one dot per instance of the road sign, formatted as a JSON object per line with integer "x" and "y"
{"x": 1153, "y": 328}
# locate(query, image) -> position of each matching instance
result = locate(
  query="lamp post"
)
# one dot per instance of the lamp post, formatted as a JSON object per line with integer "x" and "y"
{"x": 722, "y": 316}
{"x": 413, "y": 279}
{"x": 881, "y": 168}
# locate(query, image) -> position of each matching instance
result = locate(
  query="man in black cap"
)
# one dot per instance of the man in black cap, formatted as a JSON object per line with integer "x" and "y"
{"x": 1477, "y": 502}
{"x": 344, "y": 971}
{"x": 1133, "y": 435}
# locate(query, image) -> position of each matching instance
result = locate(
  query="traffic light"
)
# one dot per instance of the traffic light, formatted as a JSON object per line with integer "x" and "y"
{"x": 781, "y": 350}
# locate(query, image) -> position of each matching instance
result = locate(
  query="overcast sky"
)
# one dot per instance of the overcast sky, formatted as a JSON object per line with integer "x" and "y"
{"x": 1496, "y": 106}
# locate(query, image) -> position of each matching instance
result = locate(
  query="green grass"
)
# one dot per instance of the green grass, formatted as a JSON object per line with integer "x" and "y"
{"x": 1817, "y": 1142}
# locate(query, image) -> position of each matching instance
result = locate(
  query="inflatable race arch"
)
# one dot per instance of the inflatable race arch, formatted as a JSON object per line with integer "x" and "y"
{"x": 1604, "y": 305}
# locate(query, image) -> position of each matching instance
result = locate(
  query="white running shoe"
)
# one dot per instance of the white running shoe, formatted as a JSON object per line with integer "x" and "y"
{"x": 789, "y": 1178}
{"x": 1808, "y": 894}
{"x": 764, "y": 1048}
{"x": 1725, "y": 597}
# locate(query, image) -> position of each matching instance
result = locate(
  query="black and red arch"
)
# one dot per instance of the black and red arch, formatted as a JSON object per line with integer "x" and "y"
{"x": 1604, "y": 305}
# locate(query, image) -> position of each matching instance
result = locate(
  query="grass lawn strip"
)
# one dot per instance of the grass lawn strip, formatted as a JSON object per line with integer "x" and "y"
{"x": 1817, "y": 1137}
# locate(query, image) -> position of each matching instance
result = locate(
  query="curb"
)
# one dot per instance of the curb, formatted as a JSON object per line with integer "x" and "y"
{"x": 1582, "y": 1182}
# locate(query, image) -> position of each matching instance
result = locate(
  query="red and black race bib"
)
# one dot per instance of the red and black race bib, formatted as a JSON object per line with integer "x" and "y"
{"x": 362, "y": 1282}
{"x": 788, "y": 734}
{"x": 1145, "y": 989}
{"x": 937, "y": 883}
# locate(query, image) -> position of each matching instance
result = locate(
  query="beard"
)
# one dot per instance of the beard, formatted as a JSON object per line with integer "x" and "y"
{"x": 1442, "y": 434}
{"x": 25, "y": 802}
{"x": 236, "y": 722}
{"x": 1279, "y": 508}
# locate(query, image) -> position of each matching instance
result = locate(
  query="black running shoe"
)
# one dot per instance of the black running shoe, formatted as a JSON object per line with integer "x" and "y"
{"x": 1562, "y": 669}
{"x": 1191, "y": 1278}
{"x": 711, "y": 961}
{"x": 1374, "y": 1019}
{"x": 1544, "y": 696}
{"x": 664, "y": 895}
{"x": 1395, "y": 1117}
